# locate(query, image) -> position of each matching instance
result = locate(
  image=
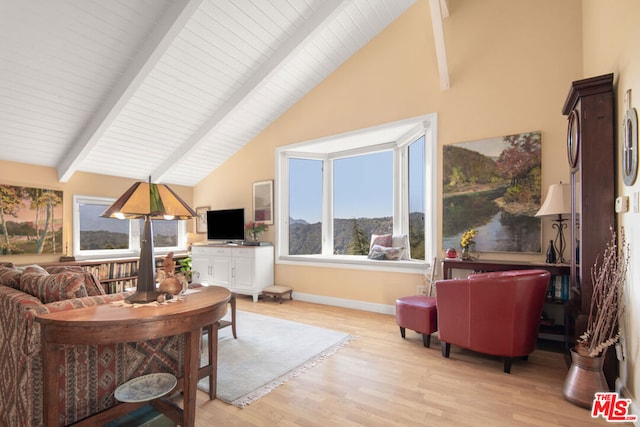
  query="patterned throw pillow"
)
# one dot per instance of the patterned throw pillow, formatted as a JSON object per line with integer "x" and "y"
{"x": 376, "y": 255}
{"x": 380, "y": 240}
{"x": 36, "y": 269}
{"x": 91, "y": 282}
{"x": 401, "y": 241}
{"x": 387, "y": 253}
{"x": 10, "y": 277}
{"x": 55, "y": 287}
{"x": 62, "y": 268}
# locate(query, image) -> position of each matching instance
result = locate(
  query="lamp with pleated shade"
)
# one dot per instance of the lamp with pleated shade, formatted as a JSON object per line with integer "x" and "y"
{"x": 151, "y": 202}
{"x": 558, "y": 203}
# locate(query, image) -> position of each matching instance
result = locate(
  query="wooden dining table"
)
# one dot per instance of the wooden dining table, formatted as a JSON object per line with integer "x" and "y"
{"x": 111, "y": 324}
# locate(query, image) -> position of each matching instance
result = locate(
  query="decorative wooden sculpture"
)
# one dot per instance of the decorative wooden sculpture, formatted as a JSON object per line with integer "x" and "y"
{"x": 170, "y": 284}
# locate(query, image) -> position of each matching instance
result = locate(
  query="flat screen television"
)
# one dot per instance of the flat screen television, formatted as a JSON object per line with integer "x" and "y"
{"x": 225, "y": 224}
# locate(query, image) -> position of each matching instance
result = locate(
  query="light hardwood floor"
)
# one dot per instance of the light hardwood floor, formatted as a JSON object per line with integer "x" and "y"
{"x": 379, "y": 379}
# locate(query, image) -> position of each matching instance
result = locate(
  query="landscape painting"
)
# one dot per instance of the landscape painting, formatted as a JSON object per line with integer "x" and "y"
{"x": 30, "y": 220}
{"x": 493, "y": 186}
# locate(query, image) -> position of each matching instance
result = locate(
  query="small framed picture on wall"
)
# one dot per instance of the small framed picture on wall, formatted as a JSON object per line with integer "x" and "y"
{"x": 201, "y": 219}
{"x": 263, "y": 202}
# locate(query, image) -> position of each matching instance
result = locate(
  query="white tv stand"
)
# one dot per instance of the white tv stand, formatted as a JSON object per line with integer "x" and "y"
{"x": 245, "y": 270}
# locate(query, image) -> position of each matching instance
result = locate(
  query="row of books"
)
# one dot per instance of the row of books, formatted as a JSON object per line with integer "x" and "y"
{"x": 118, "y": 285}
{"x": 558, "y": 288}
{"x": 113, "y": 270}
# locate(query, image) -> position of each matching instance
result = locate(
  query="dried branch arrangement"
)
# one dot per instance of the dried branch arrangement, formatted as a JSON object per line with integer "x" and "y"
{"x": 607, "y": 304}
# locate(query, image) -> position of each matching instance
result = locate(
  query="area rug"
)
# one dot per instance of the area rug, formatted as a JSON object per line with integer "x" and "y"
{"x": 267, "y": 353}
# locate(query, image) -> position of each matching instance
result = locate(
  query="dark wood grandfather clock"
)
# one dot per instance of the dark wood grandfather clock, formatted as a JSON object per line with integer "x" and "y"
{"x": 591, "y": 154}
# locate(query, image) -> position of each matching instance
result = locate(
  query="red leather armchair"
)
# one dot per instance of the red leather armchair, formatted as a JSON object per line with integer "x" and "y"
{"x": 493, "y": 313}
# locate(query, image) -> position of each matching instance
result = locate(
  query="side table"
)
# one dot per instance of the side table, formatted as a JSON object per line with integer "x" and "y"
{"x": 108, "y": 324}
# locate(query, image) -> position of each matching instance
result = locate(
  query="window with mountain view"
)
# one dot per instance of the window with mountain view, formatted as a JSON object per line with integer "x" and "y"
{"x": 362, "y": 201}
{"x": 165, "y": 232}
{"x": 417, "y": 197}
{"x": 340, "y": 190}
{"x": 98, "y": 236}
{"x": 98, "y": 233}
{"x": 305, "y": 206}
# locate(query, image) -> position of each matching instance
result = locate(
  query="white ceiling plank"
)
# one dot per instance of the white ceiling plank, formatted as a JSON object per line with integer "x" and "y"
{"x": 438, "y": 35}
{"x": 154, "y": 47}
{"x": 289, "y": 48}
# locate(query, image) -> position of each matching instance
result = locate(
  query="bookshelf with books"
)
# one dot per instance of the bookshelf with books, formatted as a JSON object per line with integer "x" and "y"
{"x": 117, "y": 274}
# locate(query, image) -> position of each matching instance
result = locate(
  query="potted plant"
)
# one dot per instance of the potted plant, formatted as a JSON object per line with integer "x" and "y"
{"x": 608, "y": 274}
{"x": 185, "y": 267}
{"x": 255, "y": 229}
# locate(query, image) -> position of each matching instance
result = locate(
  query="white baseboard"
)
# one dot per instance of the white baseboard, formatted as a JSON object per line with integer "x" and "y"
{"x": 623, "y": 391}
{"x": 346, "y": 303}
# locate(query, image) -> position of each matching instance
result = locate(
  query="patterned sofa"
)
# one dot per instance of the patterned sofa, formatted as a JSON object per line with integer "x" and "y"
{"x": 91, "y": 373}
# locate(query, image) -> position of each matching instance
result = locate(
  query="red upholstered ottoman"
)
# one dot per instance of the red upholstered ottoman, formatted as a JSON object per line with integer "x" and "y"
{"x": 418, "y": 313}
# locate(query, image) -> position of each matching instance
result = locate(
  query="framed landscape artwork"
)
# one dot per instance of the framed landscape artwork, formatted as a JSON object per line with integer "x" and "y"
{"x": 263, "y": 202}
{"x": 30, "y": 221}
{"x": 493, "y": 186}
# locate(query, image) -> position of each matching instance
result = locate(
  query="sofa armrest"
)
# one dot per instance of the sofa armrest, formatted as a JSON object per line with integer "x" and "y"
{"x": 75, "y": 303}
{"x": 17, "y": 312}
{"x": 32, "y": 333}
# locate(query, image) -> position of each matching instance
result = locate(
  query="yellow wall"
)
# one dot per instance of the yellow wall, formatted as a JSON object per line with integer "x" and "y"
{"x": 85, "y": 184}
{"x": 511, "y": 64}
{"x": 612, "y": 45}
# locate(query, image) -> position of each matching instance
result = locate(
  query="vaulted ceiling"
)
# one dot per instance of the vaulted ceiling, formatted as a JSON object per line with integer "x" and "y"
{"x": 164, "y": 88}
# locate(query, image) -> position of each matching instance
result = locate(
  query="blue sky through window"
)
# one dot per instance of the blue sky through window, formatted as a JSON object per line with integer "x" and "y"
{"x": 363, "y": 186}
{"x": 305, "y": 189}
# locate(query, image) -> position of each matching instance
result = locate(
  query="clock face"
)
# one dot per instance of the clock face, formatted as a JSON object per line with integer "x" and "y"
{"x": 573, "y": 139}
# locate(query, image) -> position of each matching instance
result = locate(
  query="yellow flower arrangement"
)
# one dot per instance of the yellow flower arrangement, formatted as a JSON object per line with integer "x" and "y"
{"x": 467, "y": 237}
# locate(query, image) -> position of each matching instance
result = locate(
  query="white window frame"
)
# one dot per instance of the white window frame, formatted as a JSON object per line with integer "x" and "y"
{"x": 396, "y": 136}
{"x": 134, "y": 234}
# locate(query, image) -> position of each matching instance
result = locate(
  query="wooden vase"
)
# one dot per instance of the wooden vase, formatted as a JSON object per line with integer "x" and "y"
{"x": 584, "y": 379}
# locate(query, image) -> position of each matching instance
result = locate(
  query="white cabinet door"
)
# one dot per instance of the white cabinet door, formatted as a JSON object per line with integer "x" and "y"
{"x": 202, "y": 271}
{"x": 222, "y": 271}
{"x": 243, "y": 273}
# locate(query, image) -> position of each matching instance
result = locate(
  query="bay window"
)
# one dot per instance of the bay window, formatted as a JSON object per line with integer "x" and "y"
{"x": 334, "y": 193}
